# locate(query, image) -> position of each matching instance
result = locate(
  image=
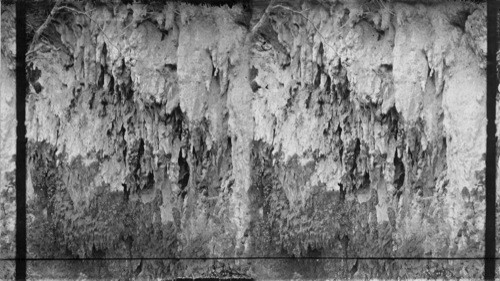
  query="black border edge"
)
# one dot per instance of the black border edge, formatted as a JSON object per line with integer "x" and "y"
{"x": 491, "y": 93}
{"x": 21, "y": 89}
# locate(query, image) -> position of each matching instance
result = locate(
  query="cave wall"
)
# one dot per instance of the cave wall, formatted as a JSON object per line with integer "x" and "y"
{"x": 376, "y": 115}
{"x": 335, "y": 129}
{"x": 7, "y": 141}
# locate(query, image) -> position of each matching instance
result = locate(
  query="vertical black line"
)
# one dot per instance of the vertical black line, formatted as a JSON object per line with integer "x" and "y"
{"x": 21, "y": 88}
{"x": 491, "y": 92}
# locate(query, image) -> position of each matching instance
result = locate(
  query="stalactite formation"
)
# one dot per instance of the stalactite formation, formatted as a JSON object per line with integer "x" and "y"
{"x": 313, "y": 129}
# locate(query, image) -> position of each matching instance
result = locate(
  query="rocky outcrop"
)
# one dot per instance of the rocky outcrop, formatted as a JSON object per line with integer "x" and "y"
{"x": 7, "y": 141}
{"x": 331, "y": 130}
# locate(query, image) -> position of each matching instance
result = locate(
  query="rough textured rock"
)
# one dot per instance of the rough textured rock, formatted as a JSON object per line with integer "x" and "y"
{"x": 336, "y": 129}
{"x": 7, "y": 141}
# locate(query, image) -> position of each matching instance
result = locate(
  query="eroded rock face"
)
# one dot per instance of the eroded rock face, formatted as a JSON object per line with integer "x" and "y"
{"x": 375, "y": 114}
{"x": 336, "y": 130}
{"x": 7, "y": 141}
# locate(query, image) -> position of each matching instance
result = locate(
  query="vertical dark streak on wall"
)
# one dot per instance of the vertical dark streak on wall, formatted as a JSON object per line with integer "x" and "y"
{"x": 492, "y": 84}
{"x": 21, "y": 88}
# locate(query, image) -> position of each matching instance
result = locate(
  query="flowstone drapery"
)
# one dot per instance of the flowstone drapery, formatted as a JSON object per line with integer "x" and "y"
{"x": 321, "y": 129}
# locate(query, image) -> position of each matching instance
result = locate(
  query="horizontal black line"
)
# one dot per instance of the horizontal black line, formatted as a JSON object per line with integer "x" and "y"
{"x": 256, "y": 258}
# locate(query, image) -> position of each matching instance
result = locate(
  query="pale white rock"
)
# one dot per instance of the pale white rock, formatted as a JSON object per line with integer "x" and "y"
{"x": 7, "y": 121}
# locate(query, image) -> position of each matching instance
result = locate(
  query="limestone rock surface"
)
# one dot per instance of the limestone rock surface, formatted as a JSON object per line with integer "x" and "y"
{"x": 335, "y": 128}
